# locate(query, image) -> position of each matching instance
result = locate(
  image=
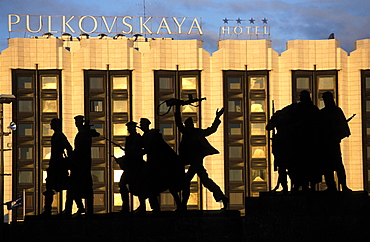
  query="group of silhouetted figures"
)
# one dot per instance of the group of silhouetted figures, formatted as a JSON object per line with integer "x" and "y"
{"x": 162, "y": 170}
{"x": 306, "y": 145}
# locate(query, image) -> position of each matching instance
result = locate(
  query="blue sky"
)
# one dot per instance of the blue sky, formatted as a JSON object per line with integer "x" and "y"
{"x": 287, "y": 19}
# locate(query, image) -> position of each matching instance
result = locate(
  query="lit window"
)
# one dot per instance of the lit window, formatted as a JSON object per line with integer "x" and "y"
{"x": 117, "y": 175}
{"x": 303, "y": 83}
{"x": 235, "y": 152}
{"x": 25, "y": 129}
{"x": 236, "y": 198}
{"x": 326, "y": 82}
{"x": 193, "y": 199}
{"x": 258, "y": 129}
{"x": 25, "y": 153}
{"x": 96, "y": 83}
{"x": 46, "y": 152}
{"x": 236, "y": 175}
{"x": 118, "y": 152}
{"x": 99, "y": 128}
{"x": 258, "y": 152}
{"x": 25, "y": 82}
{"x": 46, "y": 130}
{"x": 257, "y": 82}
{"x": 25, "y": 106}
{"x": 189, "y": 109}
{"x": 166, "y": 129}
{"x": 49, "y": 82}
{"x": 96, "y": 152}
{"x": 120, "y": 106}
{"x": 119, "y": 129}
{"x": 167, "y": 199}
{"x": 234, "y": 106}
{"x": 117, "y": 199}
{"x": 120, "y": 82}
{"x": 189, "y": 83}
{"x": 165, "y": 83}
{"x": 49, "y": 106}
{"x": 257, "y": 106}
{"x": 96, "y": 106}
{"x": 99, "y": 199}
{"x": 258, "y": 175}
{"x": 44, "y": 176}
{"x": 234, "y": 83}
{"x": 97, "y": 176}
{"x": 25, "y": 177}
{"x": 235, "y": 129}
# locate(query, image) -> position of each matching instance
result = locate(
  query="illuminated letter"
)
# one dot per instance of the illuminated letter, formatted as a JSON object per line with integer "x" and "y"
{"x": 164, "y": 26}
{"x": 66, "y": 24}
{"x": 10, "y": 21}
{"x": 128, "y": 25}
{"x": 143, "y": 25}
{"x": 179, "y": 25}
{"x": 28, "y": 24}
{"x": 238, "y": 27}
{"x": 49, "y": 26}
{"x": 80, "y": 24}
{"x": 106, "y": 25}
{"x": 227, "y": 29}
{"x": 195, "y": 21}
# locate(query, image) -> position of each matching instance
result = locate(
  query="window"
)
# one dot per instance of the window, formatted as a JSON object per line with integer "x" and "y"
{"x": 235, "y": 129}
{"x": 166, "y": 129}
{"x": 235, "y": 152}
{"x": 234, "y": 83}
{"x": 25, "y": 82}
{"x": 119, "y": 129}
{"x": 97, "y": 176}
{"x": 258, "y": 175}
{"x": 25, "y": 129}
{"x": 25, "y": 153}
{"x": 235, "y": 106}
{"x": 49, "y": 82}
{"x": 257, "y": 106}
{"x": 119, "y": 82}
{"x": 257, "y": 82}
{"x": 117, "y": 199}
{"x": 120, "y": 106}
{"x": 167, "y": 199}
{"x": 49, "y": 106}
{"x": 25, "y": 106}
{"x": 189, "y": 109}
{"x": 99, "y": 128}
{"x": 236, "y": 198}
{"x": 25, "y": 177}
{"x": 117, "y": 175}
{"x": 118, "y": 152}
{"x": 326, "y": 82}
{"x": 303, "y": 83}
{"x": 236, "y": 175}
{"x": 189, "y": 83}
{"x": 165, "y": 83}
{"x": 96, "y": 106}
{"x": 46, "y": 130}
{"x": 46, "y": 152}
{"x": 97, "y": 152}
{"x": 99, "y": 199}
{"x": 258, "y": 152}
{"x": 96, "y": 83}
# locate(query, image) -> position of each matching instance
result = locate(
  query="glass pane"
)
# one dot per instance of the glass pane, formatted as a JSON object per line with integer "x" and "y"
{"x": 303, "y": 83}
{"x": 99, "y": 128}
{"x": 99, "y": 199}
{"x": 49, "y": 106}
{"x": 120, "y": 82}
{"x": 46, "y": 130}
{"x": 258, "y": 129}
{"x": 326, "y": 82}
{"x": 235, "y": 152}
{"x": 46, "y": 152}
{"x": 235, "y": 129}
{"x": 257, "y": 106}
{"x": 367, "y": 106}
{"x": 25, "y": 130}
{"x": 118, "y": 152}
{"x": 258, "y": 152}
{"x": 189, "y": 83}
{"x": 97, "y": 176}
{"x": 189, "y": 109}
{"x": 167, "y": 199}
{"x": 96, "y": 106}
{"x": 49, "y": 82}
{"x": 25, "y": 106}
{"x": 117, "y": 175}
{"x": 236, "y": 198}
{"x": 25, "y": 82}
{"x": 235, "y": 106}
{"x": 258, "y": 175}
{"x": 25, "y": 153}
{"x": 367, "y": 82}
{"x": 257, "y": 82}
{"x": 193, "y": 199}
{"x": 166, "y": 129}
{"x": 165, "y": 83}
{"x": 236, "y": 175}
{"x": 117, "y": 199}
{"x": 44, "y": 176}
{"x": 234, "y": 83}
{"x": 95, "y": 152}
{"x": 97, "y": 83}
{"x": 120, "y": 106}
{"x": 25, "y": 177}
{"x": 119, "y": 129}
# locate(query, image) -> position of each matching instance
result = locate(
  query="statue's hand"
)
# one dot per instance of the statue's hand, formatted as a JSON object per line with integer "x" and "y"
{"x": 219, "y": 113}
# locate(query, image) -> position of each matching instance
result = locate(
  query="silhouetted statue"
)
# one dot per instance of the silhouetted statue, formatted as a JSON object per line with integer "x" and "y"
{"x": 81, "y": 179}
{"x": 193, "y": 148}
{"x": 165, "y": 171}
{"x": 333, "y": 128}
{"x": 57, "y": 172}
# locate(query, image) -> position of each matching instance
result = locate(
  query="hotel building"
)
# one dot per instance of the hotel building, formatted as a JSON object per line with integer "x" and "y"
{"x": 112, "y": 80}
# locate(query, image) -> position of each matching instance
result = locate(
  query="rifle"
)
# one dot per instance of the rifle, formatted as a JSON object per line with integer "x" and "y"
{"x": 350, "y": 118}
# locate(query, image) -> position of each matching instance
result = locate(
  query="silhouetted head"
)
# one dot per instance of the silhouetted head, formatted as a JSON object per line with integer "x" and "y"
{"x": 144, "y": 124}
{"x": 79, "y": 121}
{"x": 56, "y": 124}
{"x": 189, "y": 123}
{"x": 304, "y": 96}
{"x": 131, "y": 127}
{"x": 328, "y": 98}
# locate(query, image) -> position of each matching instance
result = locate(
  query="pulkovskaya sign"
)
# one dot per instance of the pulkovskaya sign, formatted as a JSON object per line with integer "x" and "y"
{"x": 104, "y": 24}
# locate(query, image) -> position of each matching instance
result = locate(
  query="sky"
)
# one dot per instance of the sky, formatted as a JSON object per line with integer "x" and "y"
{"x": 349, "y": 20}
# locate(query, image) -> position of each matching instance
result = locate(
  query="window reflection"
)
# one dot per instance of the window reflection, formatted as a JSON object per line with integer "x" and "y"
{"x": 257, "y": 106}
{"x": 49, "y": 82}
{"x": 166, "y": 129}
{"x": 165, "y": 83}
{"x": 99, "y": 128}
{"x": 99, "y": 199}
{"x": 189, "y": 109}
{"x": 96, "y": 106}
{"x": 117, "y": 175}
{"x": 96, "y": 152}
{"x": 167, "y": 199}
{"x": 303, "y": 83}
{"x": 96, "y": 83}
{"x": 97, "y": 176}
{"x": 236, "y": 198}
{"x": 49, "y": 106}
{"x": 258, "y": 129}
{"x": 326, "y": 82}
{"x": 25, "y": 82}
{"x": 119, "y": 129}
{"x": 25, "y": 106}
{"x": 120, "y": 106}
{"x": 25, "y": 153}
{"x": 235, "y": 106}
{"x": 235, "y": 129}
{"x": 25, "y": 129}
{"x": 46, "y": 130}
{"x": 258, "y": 152}
{"x": 234, "y": 83}
{"x": 46, "y": 152}
{"x": 257, "y": 82}
{"x": 25, "y": 177}
{"x": 236, "y": 175}
{"x": 120, "y": 82}
{"x": 258, "y": 175}
{"x": 117, "y": 199}
{"x": 189, "y": 83}
{"x": 235, "y": 152}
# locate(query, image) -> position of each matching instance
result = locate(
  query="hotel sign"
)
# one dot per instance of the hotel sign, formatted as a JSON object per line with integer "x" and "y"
{"x": 104, "y": 24}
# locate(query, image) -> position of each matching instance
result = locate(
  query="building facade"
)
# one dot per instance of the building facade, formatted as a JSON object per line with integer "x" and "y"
{"x": 114, "y": 80}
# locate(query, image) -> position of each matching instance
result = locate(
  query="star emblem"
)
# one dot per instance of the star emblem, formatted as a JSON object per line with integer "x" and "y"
{"x": 239, "y": 21}
{"x": 252, "y": 21}
{"x": 225, "y": 20}
{"x": 264, "y": 20}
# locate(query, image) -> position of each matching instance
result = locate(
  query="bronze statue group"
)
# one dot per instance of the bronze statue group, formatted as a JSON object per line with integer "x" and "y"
{"x": 162, "y": 170}
{"x": 306, "y": 145}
